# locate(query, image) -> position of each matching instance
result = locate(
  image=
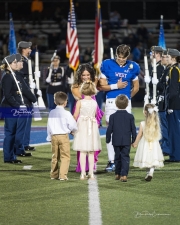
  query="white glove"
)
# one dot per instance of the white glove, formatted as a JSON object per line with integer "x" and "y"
{"x": 32, "y": 85}
{"x": 70, "y": 80}
{"x": 39, "y": 92}
{"x": 37, "y": 74}
{"x": 145, "y": 97}
{"x": 147, "y": 79}
{"x": 48, "y": 80}
{"x": 161, "y": 98}
{"x": 35, "y": 104}
{"x": 170, "y": 111}
{"x": 23, "y": 107}
{"x": 154, "y": 81}
{"x": 153, "y": 102}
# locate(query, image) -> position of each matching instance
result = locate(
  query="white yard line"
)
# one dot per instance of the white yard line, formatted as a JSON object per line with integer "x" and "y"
{"x": 48, "y": 143}
{"x": 95, "y": 215}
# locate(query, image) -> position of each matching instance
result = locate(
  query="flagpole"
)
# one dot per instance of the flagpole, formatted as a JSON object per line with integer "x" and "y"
{"x": 71, "y": 9}
{"x": 146, "y": 79}
{"x": 99, "y": 48}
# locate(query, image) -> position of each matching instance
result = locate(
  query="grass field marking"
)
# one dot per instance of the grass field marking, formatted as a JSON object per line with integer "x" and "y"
{"x": 95, "y": 215}
{"x": 28, "y": 167}
{"x": 40, "y": 144}
{"x": 48, "y": 143}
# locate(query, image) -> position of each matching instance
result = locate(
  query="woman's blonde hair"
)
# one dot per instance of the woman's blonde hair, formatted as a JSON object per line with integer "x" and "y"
{"x": 152, "y": 129}
{"x": 88, "y": 88}
{"x": 3, "y": 66}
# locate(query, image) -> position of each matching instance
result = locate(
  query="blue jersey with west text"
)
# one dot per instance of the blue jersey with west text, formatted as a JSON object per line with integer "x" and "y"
{"x": 113, "y": 72}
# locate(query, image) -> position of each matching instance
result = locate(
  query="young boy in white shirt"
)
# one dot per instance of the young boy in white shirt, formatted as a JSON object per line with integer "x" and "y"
{"x": 60, "y": 124}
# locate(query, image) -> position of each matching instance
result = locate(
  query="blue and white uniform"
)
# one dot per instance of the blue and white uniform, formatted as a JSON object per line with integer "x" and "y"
{"x": 112, "y": 71}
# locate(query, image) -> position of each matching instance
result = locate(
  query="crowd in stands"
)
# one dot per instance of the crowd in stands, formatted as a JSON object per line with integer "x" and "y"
{"x": 137, "y": 38}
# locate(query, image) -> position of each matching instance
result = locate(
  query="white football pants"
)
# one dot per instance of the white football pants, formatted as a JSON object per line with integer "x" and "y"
{"x": 111, "y": 108}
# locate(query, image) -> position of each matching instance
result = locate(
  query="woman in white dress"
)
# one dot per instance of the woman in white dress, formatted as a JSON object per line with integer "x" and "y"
{"x": 149, "y": 153}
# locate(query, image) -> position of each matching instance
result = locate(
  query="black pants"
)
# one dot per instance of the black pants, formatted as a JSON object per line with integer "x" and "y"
{"x": 122, "y": 159}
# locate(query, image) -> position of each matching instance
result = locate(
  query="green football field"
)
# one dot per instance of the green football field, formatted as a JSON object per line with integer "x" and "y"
{"x": 30, "y": 197}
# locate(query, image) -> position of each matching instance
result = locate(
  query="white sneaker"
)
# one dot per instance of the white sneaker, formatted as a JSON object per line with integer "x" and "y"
{"x": 63, "y": 179}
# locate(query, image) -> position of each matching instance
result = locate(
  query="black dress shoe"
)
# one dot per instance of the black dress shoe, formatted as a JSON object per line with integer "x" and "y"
{"x": 165, "y": 154}
{"x": 9, "y": 161}
{"x": 13, "y": 161}
{"x": 29, "y": 148}
{"x": 167, "y": 160}
{"x": 17, "y": 161}
{"x": 172, "y": 161}
{"x": 148, "y": 178}
{"x": 25, "y": 154}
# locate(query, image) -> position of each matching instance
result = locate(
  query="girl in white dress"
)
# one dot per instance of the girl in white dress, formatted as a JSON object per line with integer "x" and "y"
{"x": 149, "y": 154}
{"x": 87, "y": 138}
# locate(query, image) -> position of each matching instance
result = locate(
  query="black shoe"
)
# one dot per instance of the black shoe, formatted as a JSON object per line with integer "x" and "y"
{"x": 29, "y": 148}
{"x": 165, "y": 154}
{"x": 25, "y": 154}
{"x": 13, "y": 161}
{"x": 148, "y": 178}
{"x": 172, "y": 161}
{"x": 108, "y": 164}
{"x": 17, "y": 161}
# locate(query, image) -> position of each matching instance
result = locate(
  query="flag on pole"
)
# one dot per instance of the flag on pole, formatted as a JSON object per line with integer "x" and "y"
{"x": 161, "y": 42}
{"x": 72, "y": 48}
{"x": 12, "y": 37}
{"x": 99, "y": 47}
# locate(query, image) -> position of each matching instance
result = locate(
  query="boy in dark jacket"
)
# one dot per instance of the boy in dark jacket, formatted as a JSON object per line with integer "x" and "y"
{"x": 123, "y": 130}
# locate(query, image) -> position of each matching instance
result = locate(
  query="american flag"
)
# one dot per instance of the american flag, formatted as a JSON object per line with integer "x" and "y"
{"x": 99, "y": 47}
{"x": 72, "y": 48}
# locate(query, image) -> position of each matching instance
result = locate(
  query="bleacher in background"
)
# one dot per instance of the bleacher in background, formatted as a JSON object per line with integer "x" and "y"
{"x": 86, "y": 30}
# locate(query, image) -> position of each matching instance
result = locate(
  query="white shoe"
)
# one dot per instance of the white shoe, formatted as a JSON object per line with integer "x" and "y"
{"x": 83, "y": 176}
{"x": 91, "y": 176}
{"x": 63, "y": 179}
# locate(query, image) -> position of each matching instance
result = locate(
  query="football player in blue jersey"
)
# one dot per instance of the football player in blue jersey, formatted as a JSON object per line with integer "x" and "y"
{"x": 118, "y": 76}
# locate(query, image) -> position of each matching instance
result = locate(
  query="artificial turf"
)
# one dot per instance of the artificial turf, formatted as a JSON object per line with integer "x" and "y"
{"x": 31, "y": 197}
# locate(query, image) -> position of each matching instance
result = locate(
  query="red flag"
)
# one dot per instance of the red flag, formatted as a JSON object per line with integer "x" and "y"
{"x": 72, "y": 48}
{"x": 99, "y": 48}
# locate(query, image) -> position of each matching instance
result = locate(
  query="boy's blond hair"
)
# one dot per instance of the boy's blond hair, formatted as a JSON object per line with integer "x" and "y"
{"x": 60, "y": 98}
{"x": 121, "y": 101}
{"x": 152, "y": 130}
{"x": 88, "y": 88}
